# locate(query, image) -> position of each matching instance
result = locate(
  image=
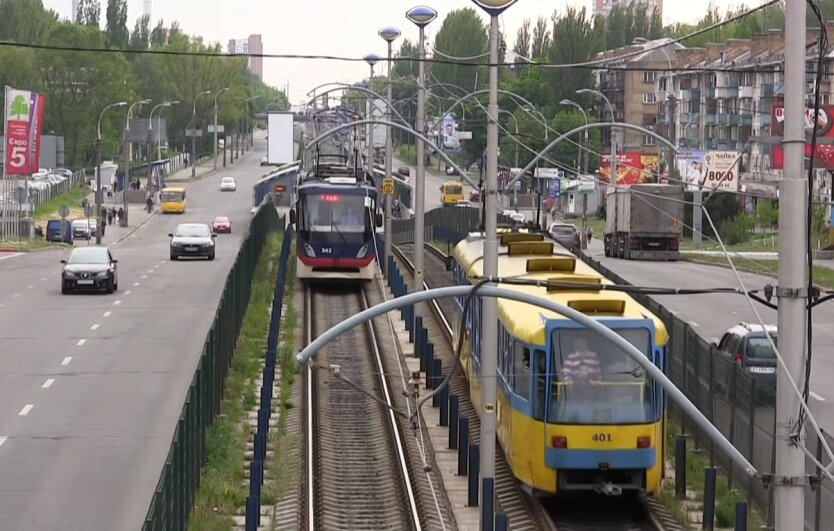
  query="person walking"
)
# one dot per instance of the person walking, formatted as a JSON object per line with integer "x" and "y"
{"x": 120, "y": 214}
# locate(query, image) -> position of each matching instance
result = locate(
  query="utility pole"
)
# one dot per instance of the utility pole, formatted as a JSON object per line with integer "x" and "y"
{"x": 214, "y": 151}
{"x": 194, "y": 133}
{"x": 792, "y": 291}
{"x": 371, "y": 59}
{"x": 389, "y": 34}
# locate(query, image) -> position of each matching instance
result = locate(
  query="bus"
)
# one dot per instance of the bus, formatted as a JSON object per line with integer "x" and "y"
{"x": 172, "y": 200}
{"x": 451, "y": 192}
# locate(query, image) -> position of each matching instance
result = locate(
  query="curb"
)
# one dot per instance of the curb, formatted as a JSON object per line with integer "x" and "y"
{"x": 134, "y": 229}
{"x": 35, "y": 250}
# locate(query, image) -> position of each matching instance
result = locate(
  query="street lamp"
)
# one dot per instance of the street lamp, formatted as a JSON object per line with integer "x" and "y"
{"x": 194, "y": 133}
{"x": 158, "y": 132}
{"x": 421, "y": 16}
{"x": 371, "y": 59}
{"x": 219, "y": 92}
{"x": 126, "y": 149}
{"x": 584, "y": 238}
{"x": 489, "y": 341}
{"x": 612, "y": 178}
{"x": 99, "y": 196}
{"x": 389, "y": 34}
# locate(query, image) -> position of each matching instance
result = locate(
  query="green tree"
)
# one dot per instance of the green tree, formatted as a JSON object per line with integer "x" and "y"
{"x": 541, "y": 39}
{"x": 89, "y": 13}
{"x": 462, "y": 34}
{"x": 117, "y": 35}
{"x": 25, "y": 21}
{"x": 523, "y": 40}
{"x": 141, "y": 36}
{"x": 766, "y": 213}
{"x": 159, "y": 35}
{"x": 571, "y": 42}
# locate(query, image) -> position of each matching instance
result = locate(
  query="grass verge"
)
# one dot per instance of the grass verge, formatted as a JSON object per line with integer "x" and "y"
{"x": 72, "y": 198}
{"x": 222, "y": 490}
{"x": 823, "y": 276}
{"x": 33, "y": 244}
{"x": 725, "y": 497}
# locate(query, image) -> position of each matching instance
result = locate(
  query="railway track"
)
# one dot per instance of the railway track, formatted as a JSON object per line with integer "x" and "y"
{"x": 625, "y": 513}
{"x": 357, "y": 472}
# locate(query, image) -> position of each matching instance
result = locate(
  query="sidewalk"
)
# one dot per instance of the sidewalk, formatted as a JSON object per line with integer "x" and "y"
{"x": 203, "y": 169}
{"x": 137, "y": 216}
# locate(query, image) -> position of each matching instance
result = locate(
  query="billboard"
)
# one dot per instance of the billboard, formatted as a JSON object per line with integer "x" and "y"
{"x": 824, "y": 155}
{"x": 279, "y": 147}
{"x": 24, "y": 117}
{"x": 629, "y": 168}
{"x": 449, "y": 133}
{"x": 708, "y": 170}
{"x": 649, "y": 167}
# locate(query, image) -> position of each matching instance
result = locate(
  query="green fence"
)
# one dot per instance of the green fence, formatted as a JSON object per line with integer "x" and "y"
{"x": 174, "y": 496}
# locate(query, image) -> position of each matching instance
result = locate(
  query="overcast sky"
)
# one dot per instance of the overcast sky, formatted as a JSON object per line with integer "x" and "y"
{"x": 337, "y": 27}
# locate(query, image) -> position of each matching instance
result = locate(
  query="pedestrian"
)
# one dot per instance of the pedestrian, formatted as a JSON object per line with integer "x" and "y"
{"x": 121, "y": 214}
{"x": 109, "y": 216}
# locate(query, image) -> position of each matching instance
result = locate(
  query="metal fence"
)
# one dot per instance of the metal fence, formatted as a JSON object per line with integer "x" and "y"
{"x": 174, "y": 496}
{"x": 741, "y": 407}
{"x": 447, "y": 225}
{"x": 38, "y": 197}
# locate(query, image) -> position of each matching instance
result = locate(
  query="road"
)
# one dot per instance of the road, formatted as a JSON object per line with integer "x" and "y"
{"x": 433, "y": 182}
{"x": 91, "y": 386}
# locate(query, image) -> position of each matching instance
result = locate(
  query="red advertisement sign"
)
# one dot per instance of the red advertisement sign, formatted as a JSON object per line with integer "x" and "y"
{"x": 824, "y": 123}
{"x": 24, "y": 119}
{"x": 629, "y": 168}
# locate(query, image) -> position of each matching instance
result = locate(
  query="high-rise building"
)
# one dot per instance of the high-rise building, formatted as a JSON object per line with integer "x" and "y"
{"x": 603, "y": 7}
{"x": 74, "y": 14}
{"x": 250, "y": 45}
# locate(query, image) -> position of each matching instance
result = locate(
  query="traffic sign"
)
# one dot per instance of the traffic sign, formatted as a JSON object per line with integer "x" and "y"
{"x": 388, "y": 186}
{"x": 280, "y": 188}
{"x": 64, "y": 211}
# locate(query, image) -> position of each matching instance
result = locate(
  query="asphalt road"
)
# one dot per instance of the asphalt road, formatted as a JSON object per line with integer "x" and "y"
{"x": 91, "y": 386}
{"x": 433, "y": 182}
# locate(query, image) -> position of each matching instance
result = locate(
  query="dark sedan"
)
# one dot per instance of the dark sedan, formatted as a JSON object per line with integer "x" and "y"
{"x": 192, "y": 239}
{"x": 566, "y": 235}
{"x": 89, "y": 268}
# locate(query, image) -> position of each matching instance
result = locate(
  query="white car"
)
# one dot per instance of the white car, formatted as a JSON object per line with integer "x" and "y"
{"x": 228, "y": 184}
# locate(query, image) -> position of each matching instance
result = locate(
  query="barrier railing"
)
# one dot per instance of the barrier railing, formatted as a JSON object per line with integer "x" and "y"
{"x": 174, "y": 495}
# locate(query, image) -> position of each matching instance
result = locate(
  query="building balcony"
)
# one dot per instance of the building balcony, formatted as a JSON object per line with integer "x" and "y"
{"x": 688, "y": 143}
{"x": 722, "y": 93}
{"x": 660, "y": 119}
{"x": 770, "y": 90}
{"x": 711, "y": 119}
{"x": 690, "y": 118}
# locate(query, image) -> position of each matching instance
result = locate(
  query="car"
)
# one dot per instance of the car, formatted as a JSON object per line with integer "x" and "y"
{"x": 450, "y": 170}
{"x": 192, "y": 239}
{"x": 464, "y": 204}
{"x": 475, "y": 196}
{"x": 404, "y": 171}
{"x": 567, "y": 235}
{"x": 222, "y": 224}
{"x": 82, "y": 229}
{"x": 228, "y": 184}
{"x": 264, "y": 161}
{"x": 515, "y": 216}
{"x": 90, "y": 268}
{"x": 747, "y": 345}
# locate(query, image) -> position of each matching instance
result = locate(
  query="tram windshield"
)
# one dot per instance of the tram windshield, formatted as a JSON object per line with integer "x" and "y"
{"x": 335, "y": 218}
{"x": 596, "y": 382}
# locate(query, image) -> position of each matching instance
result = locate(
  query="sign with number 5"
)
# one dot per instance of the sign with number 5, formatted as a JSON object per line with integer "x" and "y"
{"x": 24, "y": 116}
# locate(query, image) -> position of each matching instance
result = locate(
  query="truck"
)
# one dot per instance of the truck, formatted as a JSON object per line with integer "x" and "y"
{"x": 644, "y": 222}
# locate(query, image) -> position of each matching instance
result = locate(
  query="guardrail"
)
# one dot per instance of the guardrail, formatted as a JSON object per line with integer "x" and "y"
{"x": 174, "y": 495}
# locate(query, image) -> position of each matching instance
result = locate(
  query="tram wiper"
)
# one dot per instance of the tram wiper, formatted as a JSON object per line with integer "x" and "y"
{"x": 637, "y": 372}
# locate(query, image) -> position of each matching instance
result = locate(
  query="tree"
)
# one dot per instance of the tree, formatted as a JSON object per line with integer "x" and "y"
{"x": 462, "y": 34}
{"x": 523, "y": 40}
{"x": 25, "y": 21}
{"x": 541, "y": 39}
{"x": 159, "y": 35}
{"x": 89, "y": 13}
{"x": 571, "y": 42}
{"x": 116, "y": 33}
{"x": 141, "y": 36}
{"x": 766, "y": 213}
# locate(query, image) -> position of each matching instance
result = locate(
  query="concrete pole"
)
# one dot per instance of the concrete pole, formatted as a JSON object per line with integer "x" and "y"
{"x": 489, "y": 337}
{"x": 420, "y": 174}
{"x": 214, "y": 150}
{"x": 790, "y": 481}
{"x": 98, "y": 189}
{"x": 126, "y": 180}
{"x": 194, "y": 139}
{"x": 697, "y": 217}
{"x": 389, "y": 158}
{"x": 369, "y": 136}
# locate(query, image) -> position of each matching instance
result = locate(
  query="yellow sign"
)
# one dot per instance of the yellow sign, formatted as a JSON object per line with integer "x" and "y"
{"x": 489, "y": 408}
{"x": 388, "y": 186}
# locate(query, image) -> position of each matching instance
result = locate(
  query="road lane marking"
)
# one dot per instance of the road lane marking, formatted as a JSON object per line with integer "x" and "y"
{"x": 6, "y": 257}
{"x": 815, "y": 396}
{"x": 95, "y": 326}
{"x": 150, "y": 271}
{"x": 107, "y": 314}
{"x": 127, "y": 292}
{"x": 43, "y": 279}
{"x": 135, "y": 283}
{"x": 116, "y": 303}
{"x": 16, "y": 295}
{"x": 26, "y": 409}
{"x": 47, "y": 384}
{"x": 80, "y": 342}
{"x": 30, "y": 286}
{"x": 144, "y": 277}
{"x": 3, "y": 439}
{"x": 66, "y": 361}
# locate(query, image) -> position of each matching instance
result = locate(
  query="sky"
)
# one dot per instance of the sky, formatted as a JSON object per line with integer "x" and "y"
{"x": 338, "y": 27}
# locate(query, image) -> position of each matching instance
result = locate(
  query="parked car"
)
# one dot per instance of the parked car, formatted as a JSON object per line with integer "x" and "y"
{"x": 747, "y": 345}
{"x": 89, "y": 268}
{"x": 228, "y": 184}
{"x": 404, "y": 171}
{"x": 567, "y": 235}
{"x": 59, "y": 231}
{"x": 192, "y": 239}
{"x": 222, "y": 224}
{"x": 82, "y": 229}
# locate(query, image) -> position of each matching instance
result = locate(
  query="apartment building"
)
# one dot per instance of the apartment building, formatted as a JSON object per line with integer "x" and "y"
{"x": 728, "y": 97}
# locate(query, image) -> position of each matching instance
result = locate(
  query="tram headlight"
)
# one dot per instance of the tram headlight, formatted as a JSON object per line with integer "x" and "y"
{"x": 309, "y": 250}
{"x": 362, "y": 252}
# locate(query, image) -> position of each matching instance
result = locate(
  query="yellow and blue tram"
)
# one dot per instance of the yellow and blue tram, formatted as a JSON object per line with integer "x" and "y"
{"x": 559, "y": 434}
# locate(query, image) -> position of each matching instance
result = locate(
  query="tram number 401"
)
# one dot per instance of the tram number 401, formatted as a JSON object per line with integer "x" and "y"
{"x": 601, "y": 437}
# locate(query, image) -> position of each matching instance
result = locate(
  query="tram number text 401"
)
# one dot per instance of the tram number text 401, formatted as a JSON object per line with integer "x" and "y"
{"x": 601, "y": 437}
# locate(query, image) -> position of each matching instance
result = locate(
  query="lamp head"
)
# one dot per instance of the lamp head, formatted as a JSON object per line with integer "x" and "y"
{"x": 494, "y": 7}
{"x": 372, "y": 59}
{"x": 120, "y": 104}
{"x": 389, "y": 33}
{"x": 421, "y": 16}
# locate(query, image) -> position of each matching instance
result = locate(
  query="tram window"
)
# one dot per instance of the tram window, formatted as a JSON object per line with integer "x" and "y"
{"x": 540, "y": 384}
{"x": 521, "y": 371}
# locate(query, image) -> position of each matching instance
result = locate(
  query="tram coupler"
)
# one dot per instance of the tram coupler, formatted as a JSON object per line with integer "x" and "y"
{"x": 608, "y": 489}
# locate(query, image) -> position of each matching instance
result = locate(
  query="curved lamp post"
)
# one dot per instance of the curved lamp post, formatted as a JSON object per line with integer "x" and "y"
{"x": 99, "y": 196}
{"x": 194, "y": 132}
{"x": 489, "y": 343}
{"x": 389, "y": 35}
{"x": 126, "y": 154}
{"x": 219, "y": 92}
{"x": 372, "y": 59}
{"x": 420, "y": 16}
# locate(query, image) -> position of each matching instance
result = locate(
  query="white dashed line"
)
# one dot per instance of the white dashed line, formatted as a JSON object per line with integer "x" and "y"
{"x": 135, "y": 283}
{"x": 43, "y": 279}
{"x": 116, "y": 303}
{"x": 47, "y": 384}
{"x": 26, "y": 409}
{"x": 95, "y": 326}
{"x": 815, "y": 396}
{"x": 144, "y": 277}
{"x": 30, "y": 286}
{"x": 3, "y": 439}
{"x": 127, "y": 292}
{"x": 66, "y": 361}
{"x": 16, "y": 295}
{"x": 150, "y": 271}
{"x": 106, "y": 314}
{"x": 80, "y": 342}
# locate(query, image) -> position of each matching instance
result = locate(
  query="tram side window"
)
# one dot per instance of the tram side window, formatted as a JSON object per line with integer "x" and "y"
{"x": 540, "y": 383}
{"x": 521, "y": 371}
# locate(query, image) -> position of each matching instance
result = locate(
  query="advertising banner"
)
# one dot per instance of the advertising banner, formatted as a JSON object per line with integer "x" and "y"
{"x": 707, "y": 170}
{"x": 824, "y": 123}
{"x": 24, "y": 118}
{"x": 451, "y": 142}
{"x": 629, "y": 168}
{"x": 649, "y": 167}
